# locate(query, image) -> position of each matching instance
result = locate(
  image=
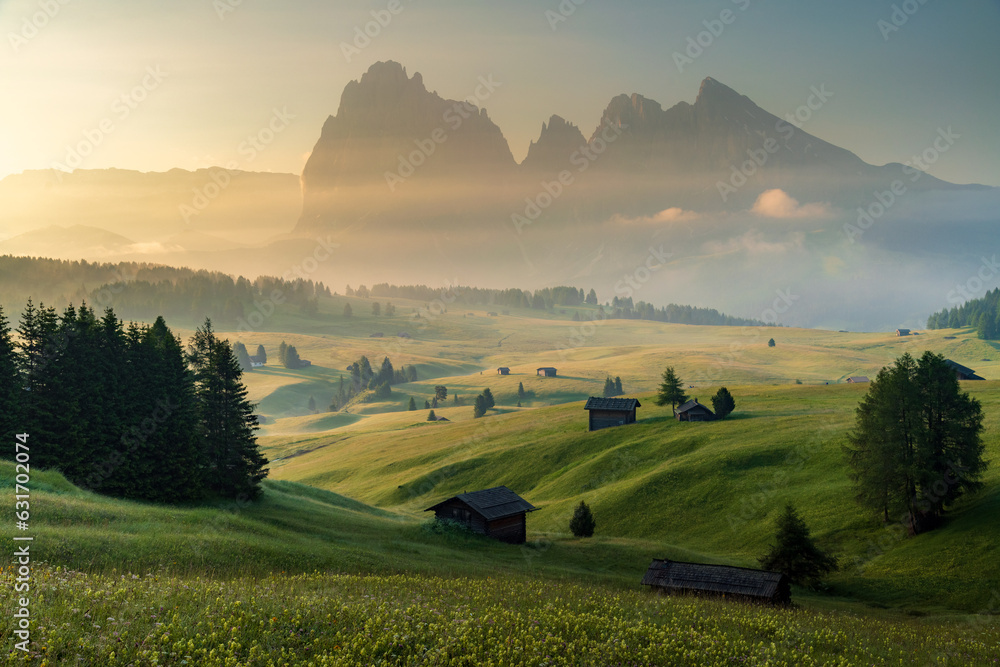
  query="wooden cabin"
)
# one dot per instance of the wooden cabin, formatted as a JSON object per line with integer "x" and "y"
{"x": 670, "y": 576}
{"x": 608, "y": 412}
{"x": 857, "y": 379}
{"x": 498, "y": 513}
{"x": 693, "y": 411}
{"x": 902, "y": 332}
{"x": 546, "y": 371}
{"x": 962, "y": 372}
{"x": 503, "y": 370}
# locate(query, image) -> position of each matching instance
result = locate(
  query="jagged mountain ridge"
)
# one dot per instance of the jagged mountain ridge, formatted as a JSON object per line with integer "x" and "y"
{"x": 410, "y": 154}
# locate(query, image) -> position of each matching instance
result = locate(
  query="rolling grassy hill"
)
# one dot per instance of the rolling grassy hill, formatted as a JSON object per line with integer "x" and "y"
{"x": 714, "y": 488}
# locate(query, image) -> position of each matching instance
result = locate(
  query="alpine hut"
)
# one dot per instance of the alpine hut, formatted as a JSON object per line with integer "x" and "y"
{"x": 693, "y": 411}
{"x": 498, "y": 513}
{"x": 608, "y": 412}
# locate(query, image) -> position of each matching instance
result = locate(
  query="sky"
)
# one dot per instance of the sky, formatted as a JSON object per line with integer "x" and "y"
{"x": 151, "y": 86}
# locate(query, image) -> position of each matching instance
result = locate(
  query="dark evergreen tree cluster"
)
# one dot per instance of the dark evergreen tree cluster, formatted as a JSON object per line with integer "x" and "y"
{"x": 612, "y": 387}
{"x": 289, "y": 357}
{"x": 983, "y": 314}
{"x": 364, "y": 377}
{"x": 483, "y": 403}
{"x": 917, "y": 443}
{"x": 123, "y": 411}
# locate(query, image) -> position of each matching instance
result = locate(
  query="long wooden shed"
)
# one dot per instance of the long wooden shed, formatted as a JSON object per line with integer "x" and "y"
{"x": 498, "y": 513}
{"x": 742, "y": 583}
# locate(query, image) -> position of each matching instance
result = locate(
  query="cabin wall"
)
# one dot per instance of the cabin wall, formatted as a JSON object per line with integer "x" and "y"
{"x": 512, "y": 529}
{"x": 459, "y": 511}
{"x": 607, "y": 418}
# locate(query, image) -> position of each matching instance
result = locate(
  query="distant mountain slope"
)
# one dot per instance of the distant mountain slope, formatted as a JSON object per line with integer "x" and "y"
{"x": 148, "y": 207}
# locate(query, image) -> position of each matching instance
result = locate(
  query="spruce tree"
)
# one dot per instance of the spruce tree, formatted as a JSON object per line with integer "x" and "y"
{"x": 520, "y": 390}
{"x": 347, "y": 310}
{"x": 618, "y": 386}
{"x": 582, "y": 524}
{"x": 671, "y": 389}
{"x": 235, "y": 465}
{"x": 795, "y": 553}
{"x": 609, "y": 387}
{"x": 488, "y": 398}
{"x": 413, "y": 404}
{"x": 427, "y": 405}
{"x": 431, "y": 417}
{"x": 11, "y": 390}
{"x": 261, "y": 354}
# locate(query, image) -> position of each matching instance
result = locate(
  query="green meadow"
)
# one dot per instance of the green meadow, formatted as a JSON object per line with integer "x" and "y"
{"x": 338, "y": 563}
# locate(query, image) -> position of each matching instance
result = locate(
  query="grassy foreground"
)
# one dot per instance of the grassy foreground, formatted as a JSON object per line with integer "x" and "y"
{"x": 325, "y": 619}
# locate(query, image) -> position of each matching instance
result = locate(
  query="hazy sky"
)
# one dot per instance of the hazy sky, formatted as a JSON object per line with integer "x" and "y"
{"x": 153, "y": 85}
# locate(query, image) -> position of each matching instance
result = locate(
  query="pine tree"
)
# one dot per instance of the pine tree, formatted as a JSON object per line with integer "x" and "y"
{"x": 770, "y": 343}
{"x": 488, "y": 398}
{"x": 413, "y": 404}
{"x": 427, "y": 405}
{"x": 592, "y": 297}
{"x": 376, "y": 309}
{"x": 431, "y": 417}
{"x": 723, "y": 403}
{"x": 795, "y": 553}
{"x": 411, "y": 373}
{"x": 479, "y": 407}
{"x": 283, "y": 354}
{"x": 434, "y": 402}
{"x": 10, "y": 385}
{"x": 347, "y": 310}
{"x": 618, "y": 386}
{"x": 261, "y": 354}
{"x": 235, "y": 464}
{"x": 440, "y": 392}
{"x": 165, "y": 461}
{"x": 582, "y": 524}
{"x": 671, "y": 389}
{"x": 520, "y": 390}
{"x": 609, "y": 387}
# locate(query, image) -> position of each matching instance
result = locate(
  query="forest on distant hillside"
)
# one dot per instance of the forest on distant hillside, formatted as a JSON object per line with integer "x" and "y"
{"x": 983, "y": 314}
{"x": 143, "y": 291}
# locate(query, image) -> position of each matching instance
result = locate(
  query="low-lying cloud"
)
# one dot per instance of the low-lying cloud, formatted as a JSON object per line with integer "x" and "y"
{"x": 777, "y": 203}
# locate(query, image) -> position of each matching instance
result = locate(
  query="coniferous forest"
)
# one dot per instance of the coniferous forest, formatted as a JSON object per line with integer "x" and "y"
{"x": 126, "y": 410}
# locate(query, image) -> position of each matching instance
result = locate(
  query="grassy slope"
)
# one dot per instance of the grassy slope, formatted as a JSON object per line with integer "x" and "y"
{"x": 713, "y": 488}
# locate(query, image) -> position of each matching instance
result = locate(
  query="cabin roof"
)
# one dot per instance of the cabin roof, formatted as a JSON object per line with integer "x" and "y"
{"x": 964, "y": 370}
{"x": 615, "y": 404}
{"x": 691, "y": 405}
{"x": 496, "y": 503}
{"x": 858, "y": 378}
{"x": 679, "y": 575}
{"x": 545, "y": 368}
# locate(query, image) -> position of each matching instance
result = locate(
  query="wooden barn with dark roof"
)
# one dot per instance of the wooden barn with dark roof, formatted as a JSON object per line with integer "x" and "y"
{"x": 693, "y": 411}
{"x": 608, "y": 412}
{"x": 962, "y": 372}
{"x": 498, "y": 513}
{"x": 670, "y": 576}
